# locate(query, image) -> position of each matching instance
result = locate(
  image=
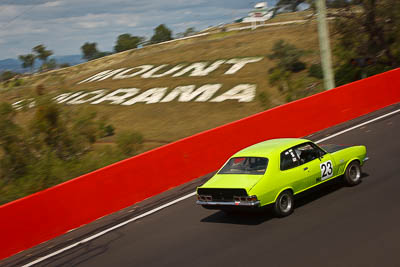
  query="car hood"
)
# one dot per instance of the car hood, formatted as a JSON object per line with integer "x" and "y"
{"x": 245, "y": 181}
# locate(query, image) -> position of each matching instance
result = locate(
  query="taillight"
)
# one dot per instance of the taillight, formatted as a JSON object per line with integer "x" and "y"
{"x": 252, "y": 198}
{"x": 245, "y": 199}
{"x": 204, "y": 198}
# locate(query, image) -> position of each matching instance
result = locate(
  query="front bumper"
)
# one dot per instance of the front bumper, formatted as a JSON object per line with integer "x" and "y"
{"x": 231, "y": 203}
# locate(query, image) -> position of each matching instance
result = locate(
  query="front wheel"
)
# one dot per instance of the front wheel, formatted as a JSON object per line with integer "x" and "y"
{"x": 284, "y": 204}
{"x": 352, "y": 175}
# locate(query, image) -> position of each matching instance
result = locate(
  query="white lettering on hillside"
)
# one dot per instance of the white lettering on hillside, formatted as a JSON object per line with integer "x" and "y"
{"x": 151, "y": 73}
{"x": 141, "y": 69}
{"x": 150, "y": 96}
{"x": 30, "y": 103}
{"x": 197, "y": 69}
{"x": 80, "y": 99}
{"x": 200, "y": 69}
{"x": 118, "y": 96}
{"x": 241, "y": 92}
{"x": 126, "y": 96}
{"x": 66, "y": 97}
{"x": 102, "y": 75}
{"x": 60, "y": 97}
{"x": 239, "y": 63}
{"x": 18, "y": 105}
{"x": 187, "y": 93}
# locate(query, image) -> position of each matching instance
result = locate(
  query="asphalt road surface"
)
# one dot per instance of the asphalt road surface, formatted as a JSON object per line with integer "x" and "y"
{"x": 333, "y": 225}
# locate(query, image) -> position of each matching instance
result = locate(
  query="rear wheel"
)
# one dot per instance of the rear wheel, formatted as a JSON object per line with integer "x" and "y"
{"x": 352, "y": 175}
{"x": 284, "y": 204}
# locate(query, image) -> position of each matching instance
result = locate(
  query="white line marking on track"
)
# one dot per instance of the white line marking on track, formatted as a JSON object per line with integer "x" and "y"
{"x": 110, "y": 229}
{"x": 357, "y": 126}
{"x": 176, "y": 201}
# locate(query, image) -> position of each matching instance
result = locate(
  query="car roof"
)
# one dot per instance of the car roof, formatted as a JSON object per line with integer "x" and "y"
{"x": 269, "y": 147}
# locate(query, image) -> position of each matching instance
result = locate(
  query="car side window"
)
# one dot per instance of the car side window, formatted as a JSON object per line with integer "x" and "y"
{"x": 307, "y": 152}
{"x": 289, "y": 159}
{"x": 320, "y": 151}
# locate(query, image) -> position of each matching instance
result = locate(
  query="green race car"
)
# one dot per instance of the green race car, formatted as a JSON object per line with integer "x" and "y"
{"x": 272, "y": 172}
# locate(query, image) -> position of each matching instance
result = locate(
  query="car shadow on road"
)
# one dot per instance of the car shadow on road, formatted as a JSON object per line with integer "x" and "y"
{"x": 262, "y": 215}
{"x": 322, "y": 191}
{"x": 255, "y": 217}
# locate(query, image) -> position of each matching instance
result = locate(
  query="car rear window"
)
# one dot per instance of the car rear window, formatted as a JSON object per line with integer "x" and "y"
{"x": 245, "y": 165}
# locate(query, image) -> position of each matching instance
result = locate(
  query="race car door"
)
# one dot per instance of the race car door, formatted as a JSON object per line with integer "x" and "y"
{"x": 317, "y": 162}
{"x": 292, "y": 173}
{"x": 310, "y": 160}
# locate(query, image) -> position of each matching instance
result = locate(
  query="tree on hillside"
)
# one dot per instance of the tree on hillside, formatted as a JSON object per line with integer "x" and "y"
{"x": 293, "y": 5}
{"x": 28, "y": 61}
{"x": 102, "y": 54}
{"x": 42, "y": 53}
{"x": 7, "y": 75}
{"x": 49, "y": 65}
{"x": 126, "y": 42}
{"x": 338, "y": 3}
{"x": 161, "y": 34}
{"x": 55, "y": 145}
{"x": 288, "y": 61}
{"x": 287, "y": 55}
{"x": 64, "y": 65}
{"x": 129, "y": 142}
{"x": 15, "y": 154}
{"x": 89, "y": 51}
{"x": 368, "y": 42}
{"x": 189, "y": 32}
{"x": 289, "y": 5}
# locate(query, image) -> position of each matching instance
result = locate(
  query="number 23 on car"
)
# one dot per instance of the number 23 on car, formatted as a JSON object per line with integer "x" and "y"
{"x": 272, "y": 172}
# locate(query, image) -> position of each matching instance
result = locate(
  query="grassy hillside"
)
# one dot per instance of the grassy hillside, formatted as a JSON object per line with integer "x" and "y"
{"x": 165, "y": 122}
{"x": 159, "y": 123}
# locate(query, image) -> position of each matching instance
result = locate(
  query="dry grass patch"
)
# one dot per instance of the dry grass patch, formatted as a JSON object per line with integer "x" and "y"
{"x": 166, "y": 122}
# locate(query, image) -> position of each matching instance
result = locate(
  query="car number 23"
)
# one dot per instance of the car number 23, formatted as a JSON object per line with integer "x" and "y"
{"x": 326, "y": 170}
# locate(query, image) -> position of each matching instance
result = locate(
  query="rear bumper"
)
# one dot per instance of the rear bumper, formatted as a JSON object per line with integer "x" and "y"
{"x": 217, "y": 204}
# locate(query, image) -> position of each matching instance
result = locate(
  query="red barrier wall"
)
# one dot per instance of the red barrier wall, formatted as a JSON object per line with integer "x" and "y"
{"x": 47, "y": 214}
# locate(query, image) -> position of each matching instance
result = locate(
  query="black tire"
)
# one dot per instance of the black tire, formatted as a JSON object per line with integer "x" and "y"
{"x": 352, "y": 175}
{"x": 284, "y": 204}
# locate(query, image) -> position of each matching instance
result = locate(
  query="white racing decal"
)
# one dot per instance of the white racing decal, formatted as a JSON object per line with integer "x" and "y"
{"x": 326, "y": 170}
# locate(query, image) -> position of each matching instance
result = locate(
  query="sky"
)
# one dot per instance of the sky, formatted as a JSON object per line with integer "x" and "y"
{"x": 63, "y": 26}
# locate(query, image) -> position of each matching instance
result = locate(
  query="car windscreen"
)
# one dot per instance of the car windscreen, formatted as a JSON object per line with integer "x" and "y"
{"x": 245, "y": 165}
